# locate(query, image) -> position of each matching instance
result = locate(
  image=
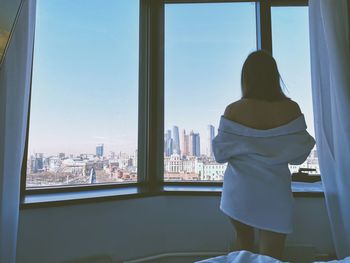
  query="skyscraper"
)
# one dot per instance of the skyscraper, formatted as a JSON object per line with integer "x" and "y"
{"x": 191, "y": 142}
{"x": 169, "y": 147}
{"x": 99, "y": 150}
{"x": 37, "y": 163}
{"x": 185, "y": 149}
{"x": 211, "y": 134}
{"x": 195, "y": 144}
{"x": 176, "y": 140}
{"x": 168, "y": 144}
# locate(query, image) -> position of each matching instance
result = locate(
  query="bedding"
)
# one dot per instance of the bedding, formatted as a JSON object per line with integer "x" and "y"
{"x": 248, "y": 257}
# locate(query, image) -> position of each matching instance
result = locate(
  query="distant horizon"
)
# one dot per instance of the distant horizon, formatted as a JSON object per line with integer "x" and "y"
{"x": 116, "y": 151}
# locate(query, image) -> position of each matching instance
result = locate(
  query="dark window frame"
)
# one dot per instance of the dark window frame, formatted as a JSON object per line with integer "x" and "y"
{"x": 151, "y": 102}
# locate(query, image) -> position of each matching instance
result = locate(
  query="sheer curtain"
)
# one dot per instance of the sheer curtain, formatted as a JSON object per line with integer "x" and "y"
{"x": 15, "y": 74}
{"x": 330, "y": 69}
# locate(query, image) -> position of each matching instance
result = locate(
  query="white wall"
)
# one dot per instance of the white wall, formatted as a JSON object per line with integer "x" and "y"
{"x": 128, "y": 229}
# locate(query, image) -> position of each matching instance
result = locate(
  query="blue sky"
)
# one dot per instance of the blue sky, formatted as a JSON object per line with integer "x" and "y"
{"x": 291, "y": 49}
{"x": 85, "y": 77}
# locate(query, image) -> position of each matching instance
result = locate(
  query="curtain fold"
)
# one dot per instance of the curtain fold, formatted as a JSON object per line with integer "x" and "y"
{"x": 330, "y": 70}
{"x": 15, "y": 77}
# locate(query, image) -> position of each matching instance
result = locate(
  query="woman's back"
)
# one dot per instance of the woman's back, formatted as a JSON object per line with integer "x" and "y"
{"x": 262, "y": 115}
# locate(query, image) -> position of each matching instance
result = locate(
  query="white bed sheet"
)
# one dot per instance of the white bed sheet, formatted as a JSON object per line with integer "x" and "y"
{"x": 248, "y": 257}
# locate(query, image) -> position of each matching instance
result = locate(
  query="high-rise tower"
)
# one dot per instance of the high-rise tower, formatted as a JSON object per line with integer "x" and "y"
{"x": 176, "y": 140}
{"x": 211, "y": 134}
{"x": 168, "y": 144}
{"x": 195, "y": 144}
{"x": 185, "y": 149}
{"x": 99, "y": 150}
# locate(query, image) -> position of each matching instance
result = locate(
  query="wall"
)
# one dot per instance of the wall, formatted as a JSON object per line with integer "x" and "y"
{"x": 129, "y": 229}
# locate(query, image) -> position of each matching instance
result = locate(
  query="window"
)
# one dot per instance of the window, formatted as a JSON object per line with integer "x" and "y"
{"x": 84, "y": 98}
{"x": 292, "y": 53}
{"x": 205, "y": 47}
{"x": 100, "y": 76}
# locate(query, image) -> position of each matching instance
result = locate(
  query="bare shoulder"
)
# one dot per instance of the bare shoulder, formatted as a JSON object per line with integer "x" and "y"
{"x": 233, "y": 108}
{"x": 293, "y": 108}
{"x": 262, "y": 114}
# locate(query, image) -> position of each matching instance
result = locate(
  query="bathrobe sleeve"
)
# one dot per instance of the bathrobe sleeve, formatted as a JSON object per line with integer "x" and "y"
{"x": 300, "y": 159}
{"x": 286, "y": 144}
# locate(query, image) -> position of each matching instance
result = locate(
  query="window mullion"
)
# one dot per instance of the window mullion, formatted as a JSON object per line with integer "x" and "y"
{"x": 263, "y": 25}
{"x": 142, "y": 148}
{"x": 152, "y": 91}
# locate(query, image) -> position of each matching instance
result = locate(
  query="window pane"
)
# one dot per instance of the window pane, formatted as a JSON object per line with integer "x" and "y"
{"x": 290, "y": 40}
{"x": 83, "y": 122}
{"x": 205, "y": 47}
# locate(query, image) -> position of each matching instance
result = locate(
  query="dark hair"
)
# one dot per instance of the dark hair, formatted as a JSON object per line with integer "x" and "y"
{"x": 260, "y": 78}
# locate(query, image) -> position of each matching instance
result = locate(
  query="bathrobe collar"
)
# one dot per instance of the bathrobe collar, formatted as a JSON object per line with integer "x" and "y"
{"x": 229, "y": 126}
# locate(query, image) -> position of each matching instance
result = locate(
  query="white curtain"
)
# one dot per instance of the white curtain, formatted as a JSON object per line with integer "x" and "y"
{"x": 330, "y": 68}
{"x": 15, "y": 74}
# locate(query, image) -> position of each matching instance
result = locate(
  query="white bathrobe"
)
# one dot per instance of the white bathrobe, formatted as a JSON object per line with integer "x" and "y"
{"x": 257, "y": 181}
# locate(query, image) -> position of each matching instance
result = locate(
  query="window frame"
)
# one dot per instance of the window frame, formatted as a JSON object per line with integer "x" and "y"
{"x": 150, "y": 171}
{"x": 141, "y": 138}
{"x": 264, "y": 41}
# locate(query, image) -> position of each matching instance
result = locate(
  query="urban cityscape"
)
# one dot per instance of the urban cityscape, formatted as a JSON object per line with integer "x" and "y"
{"x": 63, "y": 169}
{"x": 184, "y": 160}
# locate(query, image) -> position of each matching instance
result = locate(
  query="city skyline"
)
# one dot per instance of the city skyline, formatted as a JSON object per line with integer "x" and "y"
{"x": 90, "y": 169}
{"x": 190, "y": 143}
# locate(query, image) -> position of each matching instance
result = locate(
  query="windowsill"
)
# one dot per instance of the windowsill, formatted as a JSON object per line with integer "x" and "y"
{"x": 45, "y": 199}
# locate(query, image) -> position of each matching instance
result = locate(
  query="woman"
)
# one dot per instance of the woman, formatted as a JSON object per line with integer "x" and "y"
{"x": 258, "y": 136}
